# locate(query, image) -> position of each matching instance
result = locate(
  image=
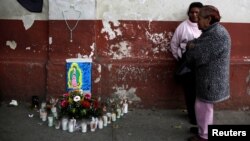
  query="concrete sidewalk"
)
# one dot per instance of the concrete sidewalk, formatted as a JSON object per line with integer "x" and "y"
{"x": 136, "y": 125}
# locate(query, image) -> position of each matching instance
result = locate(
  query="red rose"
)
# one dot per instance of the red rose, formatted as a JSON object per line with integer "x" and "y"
{"x": 86, "y": 104}
{"x": 66, "y": 95}
{"x": 64, "y": 103}
{"x": 87, "y": 96}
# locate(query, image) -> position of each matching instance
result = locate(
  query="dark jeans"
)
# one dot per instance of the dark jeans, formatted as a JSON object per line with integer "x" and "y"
{"x": 188, "y": 84}
{"x": 187, "y": 81}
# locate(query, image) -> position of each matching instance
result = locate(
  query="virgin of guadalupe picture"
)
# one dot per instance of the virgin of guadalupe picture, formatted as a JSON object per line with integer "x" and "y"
{"x": 74, "y": 75}
{"x": 78, "y": 74}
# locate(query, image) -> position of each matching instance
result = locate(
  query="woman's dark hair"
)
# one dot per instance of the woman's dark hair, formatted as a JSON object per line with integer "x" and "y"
{"x": 211, "y": 11}
{"x": 194, "y": 4}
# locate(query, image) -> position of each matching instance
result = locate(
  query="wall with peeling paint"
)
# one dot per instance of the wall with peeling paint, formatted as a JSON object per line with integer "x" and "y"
{"x": 128, "y": 41}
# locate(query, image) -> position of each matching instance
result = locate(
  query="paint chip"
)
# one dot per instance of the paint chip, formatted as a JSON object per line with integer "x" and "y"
{"x": 97, "y": 79}
{"x": 120, "y": 50}
{"x": 109, "y": 67}
{"x": 123, "y": 93}
{"x": 92, "y": 50}
{"x": 11, "y": 44}
{"x": 50, "y": 40}
{"x": 28, "y": 21}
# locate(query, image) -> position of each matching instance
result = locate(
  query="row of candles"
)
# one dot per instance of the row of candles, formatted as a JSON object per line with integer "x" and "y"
{"x": 72, "y": 125}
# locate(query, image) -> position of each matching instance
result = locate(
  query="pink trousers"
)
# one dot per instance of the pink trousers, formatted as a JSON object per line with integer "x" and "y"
{"x": 204, "y": 116}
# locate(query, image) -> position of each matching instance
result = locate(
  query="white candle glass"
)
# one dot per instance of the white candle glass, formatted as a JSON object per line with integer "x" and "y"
{"x": 71, "y": 126}
{"x": 73, "y": 121}
{"x": 122, "y": 111}
{"x": 43, "y": 105}
{"x": 64, "y": 124}
{"x": 100, "y": 124}
{"x": 96, "y": 122}
{"x": 54, "y": 111}
{"x": 50, "y": 121}
{"x": 109, "y": 115}
{"x": 41, "y": 112}
{"x": 118, "y": 113}
{"x": 113, "y": 116}
{"x": 44, "y": 115}
{"x": 57, "y": 124}
{"x": 105, "y": 120}
{"x": 84, "y": 127}
{"x": 92, "y": 126}
{"x": 125, "y": 108}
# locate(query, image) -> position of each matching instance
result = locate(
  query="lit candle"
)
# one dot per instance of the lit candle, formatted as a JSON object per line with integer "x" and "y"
{"x": 93, "y": 125}
{"x": 122, "y": 111}
{"x": 50, "y": 121}
{"x": 105, "y": 120}
{"x": 64, "y": 124}
{"x": 43, "y": 115}
{"x": 84, "y": 127}
{"x": 41, "y": 112}
{"x": 73, "y": 121}
{"x": 113, "y": 116}
{"x": 43, "y": 105}
{"x": 96, "y": 122}
{"x": 54, "y": 112}
{"x": 125, "y": 108}
{"x": 118, "y": 113}
{"x": 57, "y": 124}
{"x": 109, "y": 118}
{"x": 100, "y": 124}
{"x": 71, "y": 126}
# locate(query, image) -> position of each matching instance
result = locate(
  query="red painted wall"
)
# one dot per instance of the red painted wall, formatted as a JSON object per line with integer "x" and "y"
{"x": 41, "y": 70}
{"x": 23, "y": 70}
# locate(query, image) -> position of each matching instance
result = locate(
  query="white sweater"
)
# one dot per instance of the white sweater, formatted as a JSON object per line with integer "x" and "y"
{"x": 185, "y": 32}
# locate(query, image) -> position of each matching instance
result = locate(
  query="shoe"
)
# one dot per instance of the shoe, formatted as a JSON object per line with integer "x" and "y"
{"x": 196, "y": 138}
{"x": 194, "y": 130}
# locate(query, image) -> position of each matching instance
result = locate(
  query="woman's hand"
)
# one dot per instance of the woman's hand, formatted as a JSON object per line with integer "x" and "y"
{"x": 190, "y": 45}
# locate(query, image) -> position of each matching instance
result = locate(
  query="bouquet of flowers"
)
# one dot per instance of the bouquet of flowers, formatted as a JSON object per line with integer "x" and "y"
{"x": 77, "y": 104}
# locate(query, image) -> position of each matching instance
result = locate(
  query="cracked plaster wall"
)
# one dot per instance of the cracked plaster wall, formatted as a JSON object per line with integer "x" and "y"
{"x": 112, "y": 13}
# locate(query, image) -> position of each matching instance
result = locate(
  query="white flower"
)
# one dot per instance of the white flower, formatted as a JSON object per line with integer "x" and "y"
{"x": 81, "y": 92}
{"x": 77, "y": 98}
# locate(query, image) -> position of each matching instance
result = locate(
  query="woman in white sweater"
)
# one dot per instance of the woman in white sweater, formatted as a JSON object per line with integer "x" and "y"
{"x": 186, "y": 31}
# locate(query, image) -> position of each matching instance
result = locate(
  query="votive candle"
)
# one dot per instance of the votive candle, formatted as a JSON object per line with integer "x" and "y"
{"x": 100, "y": 124}
{"x": 44, "y": 115}
{"x": 118, "y": 113}
{"x": 109, "y": 118}
{"x": 105, "y": 120}
{"x": 113, "y": 116}
{"x": 64, "y": 124}
{"x": 84, "y": 127}
{"x": 125, "y": 108}
{"x": 71, "y": 127}
{"x": 50, "y": 121}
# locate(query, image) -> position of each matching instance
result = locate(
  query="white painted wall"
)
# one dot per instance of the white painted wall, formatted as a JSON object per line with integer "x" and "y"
{"x": 113, "y": 10}
{"x": 85, "y": 7}
{"x": 11, "y": 9}
{"x": 169, "y": 10}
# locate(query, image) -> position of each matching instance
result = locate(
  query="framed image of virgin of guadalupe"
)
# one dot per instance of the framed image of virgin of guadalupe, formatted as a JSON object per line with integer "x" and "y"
{"x": 78, "y": 74}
